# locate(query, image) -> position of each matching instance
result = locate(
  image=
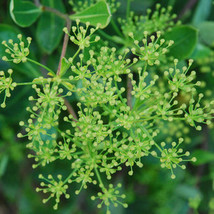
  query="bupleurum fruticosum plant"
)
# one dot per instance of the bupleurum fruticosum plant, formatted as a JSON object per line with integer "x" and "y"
{"x": 108, "y": 134}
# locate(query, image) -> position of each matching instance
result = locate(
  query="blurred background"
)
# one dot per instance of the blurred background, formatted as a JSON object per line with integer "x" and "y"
{"x": 150, "y": 189}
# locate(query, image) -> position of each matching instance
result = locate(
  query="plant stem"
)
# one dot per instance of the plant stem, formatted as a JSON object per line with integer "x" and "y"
{"x": 128, "y": 8}
{"x": 65, "y": 44}
{"x": 70, "y": 175}
{"x": 98, "y": 176}
{"x": 117, "y": 30}
{"x": 111, "y": 38}
{"x": 150, "y": 137}
{"x": 74, "y": 56}
{"x": 24, "y": 83}
{"x": 64, "y": 48}
{"x": 118, "y": 91}
{"x": 37, "y": 63}
{"x": 140, "y": 74}
{"x": 71, "y": 110}
{"x": 56, "y": 12}
{"x": 52, "y": 10}
{"x": 187, "y": 7}
{"x": 63, "y": 52}
{"x": 37, "y": 3}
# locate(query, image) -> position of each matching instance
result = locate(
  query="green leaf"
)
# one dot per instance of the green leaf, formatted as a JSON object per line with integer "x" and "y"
{"x": 49, "y": 30}
{"x": 202, "y": 12}
{"x": 64, "y": 66}
{"x": 27, "y": 68}
{"x": 3, "y": 164}
{"x": 97, "y": 13}
{"x": 206, "y": 32}
{"x": 203, "y": 156}
{"x": 7, "y": 32}
{"x": 51, "y": 74}
{"x": 201, "y": 51}
{"x": 195, "y": 201}
{"x": 185, "y": 38}
{"x": 211, "y": 203}
{"x": 68, "y": 85}
{"x": 10, "y": 32}
{"x": 186, "y": 191}
{"x": 24, "y": 13}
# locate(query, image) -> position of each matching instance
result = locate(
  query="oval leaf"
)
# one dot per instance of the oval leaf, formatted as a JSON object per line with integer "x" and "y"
{"x": 24, "y": 13}
{"x": 185, "y": 38}
{"x": 98, "y": 13}
{"x": 206, "y": 32}
{"x": 49, "y": 30}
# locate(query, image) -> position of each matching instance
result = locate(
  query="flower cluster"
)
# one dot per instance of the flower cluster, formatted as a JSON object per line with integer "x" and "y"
{"x": 110, "y": 195}
{"x": 54, "y": 187}
{"x": 106, "y": 63}
{"x": 179, "y": 80}
{"x": 6, "y": 85}
{"x": 199, "y": 114}
{"x": 81, "y": 37}
{"x": 17, "y": 51}
{"x": 103, "y": 64}
{"x": 172, "y": 157}
{"x": 151, "y": 52}
{"x": 108, "y": 132}
{"x": 41, "y": 128}
{"x": 159, "y": 20}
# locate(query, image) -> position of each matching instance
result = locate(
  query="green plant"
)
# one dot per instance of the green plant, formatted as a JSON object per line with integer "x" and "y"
{"x": 110, "y": 131}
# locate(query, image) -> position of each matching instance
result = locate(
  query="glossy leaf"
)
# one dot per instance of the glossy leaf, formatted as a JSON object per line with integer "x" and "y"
{"x": 185, "y": 38}
{"x": 8, "y": 32}
{"x": 203, "y": 157}
{"x": 49, "y": 31}
{"x": 200, "y": 51}
{"x": 97, "y": 13}
{"x": 202, "y": 12}
{"x": 206, "y": 32}
{"x": 24, "y": 13}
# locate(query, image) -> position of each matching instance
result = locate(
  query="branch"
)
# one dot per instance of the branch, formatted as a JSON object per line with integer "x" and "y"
{"x": 68, "y": 25}
{"x": 70, "y": 110}
{"x": 65, "y": 44}
{"x": 50, "y": 9}
{"x": 63, "y": 52}
{"x": 190, "y": 4}
{"x": 37, "y": 3}
{"x": 64, "y": 47}
{"x": 56, "y": 12}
